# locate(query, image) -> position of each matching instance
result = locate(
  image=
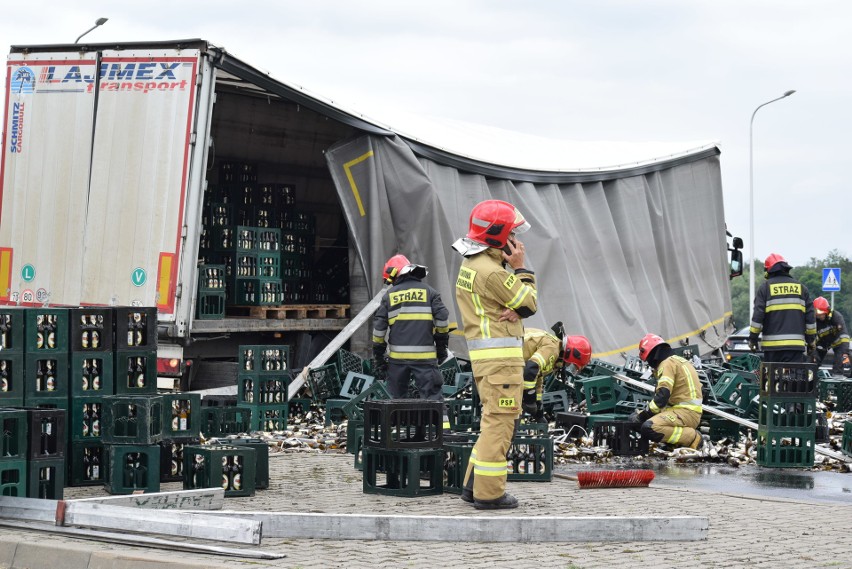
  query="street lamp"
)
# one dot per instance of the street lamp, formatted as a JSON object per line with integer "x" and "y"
{"x": 751, "y": 199}
{"x": 98, "y": 22}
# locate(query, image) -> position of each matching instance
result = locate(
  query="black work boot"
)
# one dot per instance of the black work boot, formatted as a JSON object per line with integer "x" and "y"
{"x": 467, "y": 491}
{"x": 504, "y": 502}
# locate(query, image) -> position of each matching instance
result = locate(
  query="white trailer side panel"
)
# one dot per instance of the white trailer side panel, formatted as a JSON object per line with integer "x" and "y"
{"x": 44, "y": 174}
{"x": 140, "y": 167}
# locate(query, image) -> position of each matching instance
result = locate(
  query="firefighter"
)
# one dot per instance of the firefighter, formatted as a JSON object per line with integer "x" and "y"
{"x": 674, "y": 413}
{"x": 411, "y": 326}
{"x": 783, "y": 314}
{"x": 831, "y": 335}
{"x": 543, "y": 353}
{"x": 484, "y": 291}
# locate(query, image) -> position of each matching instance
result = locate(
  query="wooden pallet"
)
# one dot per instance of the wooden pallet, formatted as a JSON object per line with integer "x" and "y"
{"x": 289, "y": 312}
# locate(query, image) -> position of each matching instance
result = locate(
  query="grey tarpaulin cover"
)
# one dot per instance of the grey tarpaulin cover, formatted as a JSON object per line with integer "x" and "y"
{"x": 615, "y": 257}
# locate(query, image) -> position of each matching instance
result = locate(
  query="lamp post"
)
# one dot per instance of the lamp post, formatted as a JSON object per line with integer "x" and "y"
{"x": 751, "y": 199}
{"x": 98, "y": 22}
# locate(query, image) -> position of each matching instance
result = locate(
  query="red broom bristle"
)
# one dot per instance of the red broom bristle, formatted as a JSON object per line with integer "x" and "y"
{"x": 614, "y": 478}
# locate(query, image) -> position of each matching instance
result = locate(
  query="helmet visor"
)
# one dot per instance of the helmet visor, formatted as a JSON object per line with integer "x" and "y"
{"x": 521, "y": 225}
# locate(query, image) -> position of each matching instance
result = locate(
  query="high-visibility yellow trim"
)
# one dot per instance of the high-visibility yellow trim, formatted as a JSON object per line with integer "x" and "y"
{"x": 690, "y": 407}
{"x": 776, "y": 307}
{"x": 519, "y": 297}
{"x": 666, "y": 381}
{"x": 165, "y": 279}
{"x": 484, "y": 326}
{"x": 772, "y": 343}
{"x": 347, "y": 167}
{"x": 495, "y": 354}
{"x": 675, "y": 436}
{"x": 378, "y": 339}
{"x": 529, "y": 384}
{"x": 669, "y": 341}
{"x": 413, "y": 355}
{"x": 410, "y": 316}
{"x": 653, "y": 407}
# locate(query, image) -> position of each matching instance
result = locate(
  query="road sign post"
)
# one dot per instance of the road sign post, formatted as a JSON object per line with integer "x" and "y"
{"x": 831, "y": 282}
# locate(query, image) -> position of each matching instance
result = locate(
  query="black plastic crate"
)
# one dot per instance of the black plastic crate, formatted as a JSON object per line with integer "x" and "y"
{"x": 409, "y": 472}
{"x": 135, "y": 372}
{"x": 12, "y": 382}
{"x": 132, "y": 419}
{"x": 403, "y": 423}
{"x": 574, "y": 423}
{"x": 46, "y": 478}
{"x": 92, "y": 373}
{"x": 46, "y": 432}
{"x": 620, "y": 437}
{"x": 789, "y": 379}
{"x": 12, "y": 330}
{"x": 87, "y": 463}
{"x": 91, "y": 329}
{"x": 136, "y": 328}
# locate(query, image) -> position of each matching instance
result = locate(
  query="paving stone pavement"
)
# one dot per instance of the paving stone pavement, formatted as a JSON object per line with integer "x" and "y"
{"x": 745, "y": 531}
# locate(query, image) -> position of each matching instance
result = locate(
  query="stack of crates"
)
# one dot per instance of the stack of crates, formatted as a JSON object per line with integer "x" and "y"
{"x": 263, "y": 380}
{"x": 403, "y": 452}
{"x": 133, "y": 429}
{"x": 787, "y": 415}
{"x": 135, "y": 350}
{"x": 92, "y": 373}
{"x": 181, "y": 424}
{"x": 46, "y": 358}
{"x": 12, "y": 350}
{"x": 210, "y": 302}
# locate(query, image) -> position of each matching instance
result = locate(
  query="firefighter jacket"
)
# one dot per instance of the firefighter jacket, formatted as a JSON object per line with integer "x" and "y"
{"x": 410, "y": 322}
{"x": 542, "y": 348}
{"x": 679, "y": 377}
{"x": 484, "y": 289}
{"x": 831, "y": 332}
{"x": 783, "y": 312}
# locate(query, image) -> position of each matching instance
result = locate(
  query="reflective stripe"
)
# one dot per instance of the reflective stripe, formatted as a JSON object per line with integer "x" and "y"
{"x": 442, "y": 330}
{"x": 378, "y": 339}
{"x": 442, "y": 324}
{"x": 415, "y": 310}
{"x": 529, "y": 384}
{"x": 412, "y": 355}
{"x": 665, "y": 381}
{"x": 776, "y": 307}
{"x": 489, "y": 468}
{"x": 675, "y": 436}
{"x": 653, "y": 407}
{"x": 482, "y": 343}
{"x": 690, "y": 406}
{"x": 495, "y": 354}
{"x": 692, "y": 393}
{"x": 539, "y": 359}
{"x": 770, "y": 344}
{"x": 484, "y": 323}
{"x": 755, "y": 329}
{"x": 410, "y": 317}
{"x": 416, "y": 349}
{"x": 840, "y": 340}
{"x": 785, "y": 301}
{"x": 520, "y": 296}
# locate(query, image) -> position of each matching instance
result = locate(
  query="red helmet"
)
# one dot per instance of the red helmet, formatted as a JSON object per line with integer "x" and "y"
{"x": 772, "y": 260}
{"x": 647, "y": 345}
{"x": 821, "y": 305}
{"x": 492, "y": 221}
{"x": 393, "y": 267}
{"x": 577, "y": 350}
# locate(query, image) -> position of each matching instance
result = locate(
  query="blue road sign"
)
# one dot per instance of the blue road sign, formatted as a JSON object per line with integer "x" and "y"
{"x": 831, "y": 279}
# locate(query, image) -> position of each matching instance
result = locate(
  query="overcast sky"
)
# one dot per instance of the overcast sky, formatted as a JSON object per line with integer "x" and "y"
{"x": 594, "y": 70}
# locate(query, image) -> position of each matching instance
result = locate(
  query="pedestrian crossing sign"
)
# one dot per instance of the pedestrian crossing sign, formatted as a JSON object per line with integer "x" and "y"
{"x": 831, "y": 280}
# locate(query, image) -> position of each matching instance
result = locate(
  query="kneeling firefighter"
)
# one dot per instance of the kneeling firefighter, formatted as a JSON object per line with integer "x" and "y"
{"x": 675, "y": 412}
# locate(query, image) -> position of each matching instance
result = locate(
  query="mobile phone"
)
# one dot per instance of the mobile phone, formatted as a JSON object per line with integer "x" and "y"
{"x": 506, "y": 248}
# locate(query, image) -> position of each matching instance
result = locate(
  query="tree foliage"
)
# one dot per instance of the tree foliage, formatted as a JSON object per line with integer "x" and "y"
{"x": 810, "y": 274}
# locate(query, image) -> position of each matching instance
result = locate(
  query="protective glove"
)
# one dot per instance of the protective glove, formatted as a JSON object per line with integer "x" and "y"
{"x": 812, "y": 349}
{"x": 638, "y": 417}
{"x": 538, "y": 416}
{"x": 380, "y": 365}
{"x": 441, "y": 343}
{"x": 529, "y": 402}
{"x": 752, "y": 342}
{"x": 442, "y": 355}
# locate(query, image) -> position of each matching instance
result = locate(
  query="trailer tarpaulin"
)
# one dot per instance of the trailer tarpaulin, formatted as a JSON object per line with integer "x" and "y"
{"x": 636, "y": 251}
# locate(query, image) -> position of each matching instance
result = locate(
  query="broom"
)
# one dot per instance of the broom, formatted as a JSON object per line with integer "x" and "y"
{"x": 610, "y": 478}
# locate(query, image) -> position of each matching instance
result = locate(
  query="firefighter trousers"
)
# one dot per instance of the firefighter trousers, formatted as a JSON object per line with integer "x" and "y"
{"x": 427, "y": 378}
{"x": 501, "y": 405}
{"x": 674, "y": 426}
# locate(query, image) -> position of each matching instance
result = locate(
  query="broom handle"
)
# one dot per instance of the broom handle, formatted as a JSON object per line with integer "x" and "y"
{"x": 565, "y": 476}
{"x": 739, "y": 420}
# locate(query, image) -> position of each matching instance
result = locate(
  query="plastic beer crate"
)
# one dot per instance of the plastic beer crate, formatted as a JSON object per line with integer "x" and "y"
{"x": 86, "y": 418}
{"x": 46, "y": 478}
{"x": 13, "y": 478}
{"x": 788, "y": 448}
{"x": 266, "y": 389}
{"x": 530, "y": 459}
{"x": 132, "y": 419}
{"x": 12, "y": 330}
{"x": 15, "y": 441}
{"x": 261, "y": 470}
{"x": 92, "y": 373}
{"x": 12, "y": 382}
{"x": 87, "y": 463}
{"x": 789, "y": 380}
{"x": 135, "y": 328}
{"x": 181, "y": 415}
{"x": 133, "y": 468}
{"x": 407, "y": 472}
{"x": 457, "y": 457}
{"x": 46, "y": 330}
{"x": 46, "y": 375}
{"x": 403, "y": 423}
{"x": 268, "y": 359}
{"x": 91, "y": 329}
{"x": 228, "y": 466}
{"x": 46, "y": 432}
{"x": 135, "y": 372}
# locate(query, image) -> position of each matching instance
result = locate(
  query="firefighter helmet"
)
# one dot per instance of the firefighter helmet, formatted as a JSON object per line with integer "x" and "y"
{"x": 772, "y": 260}
{"x": 647, "y": 345}
{"x": 492, "y": 221}
{"x": 394, "y": 267}
{"x": 576, "y": 350}
{"x": 821, "y": 305}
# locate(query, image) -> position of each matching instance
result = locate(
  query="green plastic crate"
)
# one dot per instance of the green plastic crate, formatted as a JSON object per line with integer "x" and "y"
{"x": 263, "y": 389}
{"x": 92, "y": 373}
{"x": 12, "y": 330}
{"x": 261, "y": 467}
{"x": 347, "y": 361}
{"x": 13, "y": 478}
{"x": 599, "y": 393}
{"x": 12, "y": 382}
{"x": 132, "y": 468}
{"x": 46, "y": 375}
{"x": 221, "y": 421}
{"x": 456, "y": 459}
{"x": 132, "y": 420}
{"x": 135, "y": 372}
{"x": 354, "y": 408}
{"x": 268, "y": 418}
{"x": 46, "y": 478}
{"x": 86, "y": 418}
{"x": 530, "y": 459}
{"x": 790, "y": 448}
{"x": 181, "y": 415}
{"x": 324, "y": 382}
{"x": 91, "y": 329}
{"x": 46, "y": 331}
{"x": 787, "y": 413}
{"x": 355, "y": 384}
{"x": 210, "y": 305}
{"x": 265, "y": 359}
{"x": 227, "y": 466}
{"x": 464, "y": 415}
{"x": 15, "y": 426}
